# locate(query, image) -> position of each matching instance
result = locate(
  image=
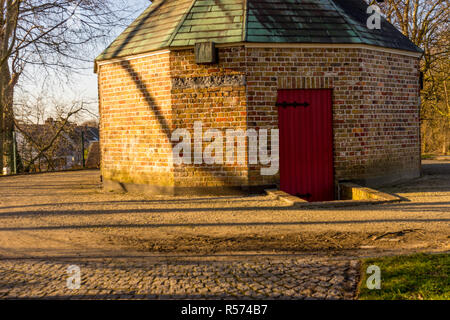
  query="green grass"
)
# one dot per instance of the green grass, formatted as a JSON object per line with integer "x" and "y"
{"x": 415, "y": 277}
{"x": 428, "y": 156}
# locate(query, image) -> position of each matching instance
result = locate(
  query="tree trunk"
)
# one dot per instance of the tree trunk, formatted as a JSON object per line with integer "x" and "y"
{"x": 446, "y": 141}
{"x": 2, "y": 123}
{"x": 1, "y": 137}
{"x": 8, "y": 129}
{"x": 444, "y": 146}
{"x": 7, "y": 116}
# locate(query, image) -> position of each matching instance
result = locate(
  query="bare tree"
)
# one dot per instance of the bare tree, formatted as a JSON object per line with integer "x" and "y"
{"x": 426, "y": 23}
{"x": 419, "y": 20}
{"x": 48, "y": 140}
{"x": 52, "y": 35}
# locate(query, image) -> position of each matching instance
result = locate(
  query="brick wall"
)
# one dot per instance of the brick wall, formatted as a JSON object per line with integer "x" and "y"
{"x": 376, "y": 123}
{"x": 136, "y": 119}
{"x": 220, "y": 107}
{"x": 388, "y": 134}
{"x": 375, "y": 107}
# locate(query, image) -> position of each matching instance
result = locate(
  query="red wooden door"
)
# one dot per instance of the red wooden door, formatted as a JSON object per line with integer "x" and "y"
{"x": 306, "y": 143}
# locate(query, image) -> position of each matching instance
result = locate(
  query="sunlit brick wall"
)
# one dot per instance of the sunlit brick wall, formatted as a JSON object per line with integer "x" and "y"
{"x": 220, "y": 107}
{"x": 136, "y": 119}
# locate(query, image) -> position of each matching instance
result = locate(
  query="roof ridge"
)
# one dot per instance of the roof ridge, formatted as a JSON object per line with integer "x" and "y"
{"x": 146, "y": 11}
{"x": 182, "y": 20}
{"x": 345, "y": 17}
{"x": 245, "y": 22}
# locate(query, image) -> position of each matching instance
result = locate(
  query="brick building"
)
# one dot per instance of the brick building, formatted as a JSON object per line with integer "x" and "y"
{"x": 345, "y": 98}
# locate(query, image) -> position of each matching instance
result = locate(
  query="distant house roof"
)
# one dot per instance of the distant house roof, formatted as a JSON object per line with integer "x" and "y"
{"x": 180, "y": 23}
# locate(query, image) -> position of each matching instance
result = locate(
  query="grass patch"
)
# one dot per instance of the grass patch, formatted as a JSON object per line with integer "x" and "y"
{"x": 428, "y": 156}
{"x": 414, "y": 277}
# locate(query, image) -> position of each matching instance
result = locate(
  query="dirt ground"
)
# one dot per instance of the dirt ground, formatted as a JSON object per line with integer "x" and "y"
{"x": 62, "y": 214}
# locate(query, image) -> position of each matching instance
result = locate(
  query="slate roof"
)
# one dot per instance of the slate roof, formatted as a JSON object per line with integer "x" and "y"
{"x": 179, "y": 23}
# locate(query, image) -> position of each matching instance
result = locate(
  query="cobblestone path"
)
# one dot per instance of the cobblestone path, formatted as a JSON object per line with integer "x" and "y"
{"x": 122, "y": 242}
{"x": 190, "y": 278}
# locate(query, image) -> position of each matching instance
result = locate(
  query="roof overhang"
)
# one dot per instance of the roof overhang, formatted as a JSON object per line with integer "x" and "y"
{"x": 264, "y": 45}
{"x": 100, "y": 63}
{"x": 334, "y": 46}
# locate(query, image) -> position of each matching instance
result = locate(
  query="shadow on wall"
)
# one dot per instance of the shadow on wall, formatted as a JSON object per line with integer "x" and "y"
{"x": 227, "y": 171}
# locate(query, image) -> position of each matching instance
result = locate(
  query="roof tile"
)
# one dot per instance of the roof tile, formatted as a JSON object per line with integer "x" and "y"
{"x": 175, "y": 23}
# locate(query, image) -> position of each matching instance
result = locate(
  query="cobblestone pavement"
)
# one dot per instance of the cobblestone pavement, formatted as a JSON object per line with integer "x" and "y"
{"x": 189, "y": 278}
{"x": 49, "y": 222}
